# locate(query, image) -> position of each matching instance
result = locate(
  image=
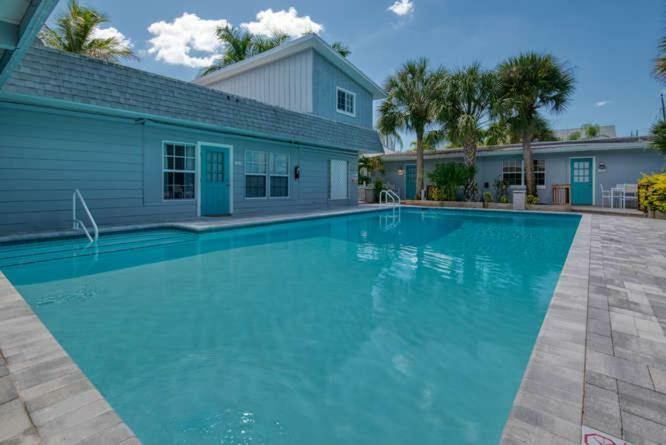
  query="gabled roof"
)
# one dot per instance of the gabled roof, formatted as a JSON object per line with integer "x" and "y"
{"x": 20, "y": 21}
{"x": 621, "y": 143}
{"x": 309, "y": 41}
{"x": 68, "y": 80}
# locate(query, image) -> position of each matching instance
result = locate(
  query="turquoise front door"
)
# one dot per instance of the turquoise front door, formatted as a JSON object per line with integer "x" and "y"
{"x": 215, "y": 180}
{"x": 582, "y": 178}
{"x": 410, "y": 182}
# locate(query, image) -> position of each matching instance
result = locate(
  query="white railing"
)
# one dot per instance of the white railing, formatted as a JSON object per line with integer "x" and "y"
{"x": 77, "y": 223}
{"x": 385, "y": 195}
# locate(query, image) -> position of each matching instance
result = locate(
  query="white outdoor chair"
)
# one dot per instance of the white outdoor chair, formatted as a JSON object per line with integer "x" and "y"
{"x": 630, "y": 195}
{"x": 605, "y": 195}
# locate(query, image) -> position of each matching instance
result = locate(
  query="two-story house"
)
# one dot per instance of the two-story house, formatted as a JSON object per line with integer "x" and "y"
{"x": 277, "y": 133}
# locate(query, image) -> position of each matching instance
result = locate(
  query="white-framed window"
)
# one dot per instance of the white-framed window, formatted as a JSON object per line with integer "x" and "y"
{"x": 266, "y": 174}
{"x": 514, "y": 175}
{"x": 279, "y": 175}
{"x": 345, "y": 102}
{"x": 512, "y": 171}
{"x": 255, "y": 174}
{"x": 178, "y": 170}
{"x": 338, "y": 179}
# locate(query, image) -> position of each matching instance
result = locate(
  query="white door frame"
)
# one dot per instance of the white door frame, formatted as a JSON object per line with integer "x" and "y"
{"x": 594, "y": 176}
{"x": 231, "y": 174}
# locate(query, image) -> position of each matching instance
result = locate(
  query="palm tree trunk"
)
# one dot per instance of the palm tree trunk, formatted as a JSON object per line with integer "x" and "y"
{"x": 528, "y": 165}
{"x": 470, "y": 161}
{"x": 419, "y": 164}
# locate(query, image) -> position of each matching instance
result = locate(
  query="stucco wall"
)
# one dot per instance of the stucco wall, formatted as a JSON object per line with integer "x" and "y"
{"x": 326, "y": 79}
{"x": 622, "y": 166}
{"x": 117, "y": 164}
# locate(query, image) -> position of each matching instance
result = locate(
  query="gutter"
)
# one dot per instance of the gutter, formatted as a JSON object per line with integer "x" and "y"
{"x": 59, "y": 104}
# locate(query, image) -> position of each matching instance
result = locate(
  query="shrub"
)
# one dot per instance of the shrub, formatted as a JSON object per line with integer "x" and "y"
{"x": 504, "y": 199}
{"x": 487, "y": 197}
{"x": 532, "y": 200}
{"x": 379, "y": 186}
{"x": 449, "y": 177}
{"x": 652, "y": 192}
{"x": 574, "y": 136}
{"x": 501, "y": 190}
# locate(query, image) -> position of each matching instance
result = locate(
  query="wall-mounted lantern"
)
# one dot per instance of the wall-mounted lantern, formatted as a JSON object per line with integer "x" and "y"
{"x": 400, "y": 171}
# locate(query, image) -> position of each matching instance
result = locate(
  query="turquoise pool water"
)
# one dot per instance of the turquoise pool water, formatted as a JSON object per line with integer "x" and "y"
{"x": 361, "y": 329}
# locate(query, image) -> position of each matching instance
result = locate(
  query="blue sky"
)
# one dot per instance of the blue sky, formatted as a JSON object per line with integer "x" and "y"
{"x": 610, "y": 44}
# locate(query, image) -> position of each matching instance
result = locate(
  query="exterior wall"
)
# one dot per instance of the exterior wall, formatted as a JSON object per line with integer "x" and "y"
{"x": 326, "y": 79}
{"x": 117, "y": 165}
{"x": 286, "y": 83}
{"x": 622, "y": 167}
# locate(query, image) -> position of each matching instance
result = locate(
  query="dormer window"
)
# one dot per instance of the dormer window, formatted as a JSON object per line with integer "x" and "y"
{"x": 346, "y": 103}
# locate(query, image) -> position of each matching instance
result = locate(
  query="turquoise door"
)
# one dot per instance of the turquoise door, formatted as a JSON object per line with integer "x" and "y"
{"x": 410, "y": 182}
{"x": 582, "y": 175}
{"x": 215, "y": 180}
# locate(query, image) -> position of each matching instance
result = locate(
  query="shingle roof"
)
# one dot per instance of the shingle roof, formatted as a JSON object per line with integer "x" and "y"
{"x": 54, "y": 74}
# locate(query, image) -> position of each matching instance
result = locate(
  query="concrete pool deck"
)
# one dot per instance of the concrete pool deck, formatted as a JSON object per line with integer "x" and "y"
{"x": 599, "y": 359}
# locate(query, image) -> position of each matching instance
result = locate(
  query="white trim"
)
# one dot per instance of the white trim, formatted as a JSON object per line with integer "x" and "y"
{"x": 231, "y": 174}
{"x": 594, "y": 176}
{"x": 352, "y": 94}
{"x": 310, "y": 41}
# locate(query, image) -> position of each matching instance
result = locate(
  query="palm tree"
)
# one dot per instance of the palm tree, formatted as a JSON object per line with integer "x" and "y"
{"x": 528, "y": 83}
{"x": 660, "y": 61}
{"x": 240, "y": 45}
{"x": 74, "y": 32}
{"x": 466, "y": 107}
{"x": 659, "y": 132}
{"x": 341, "y": 48}
{"x": 413, "y": 104}
{"x": 430, "y": 141}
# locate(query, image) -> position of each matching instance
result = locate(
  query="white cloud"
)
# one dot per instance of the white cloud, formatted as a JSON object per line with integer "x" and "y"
{"x": 174, "y": 41}
{"x": 106, "y": 33}
{"x": 401, "y": 7}
{"x": 288, "y": 22}
{"x": 602, "y": 103}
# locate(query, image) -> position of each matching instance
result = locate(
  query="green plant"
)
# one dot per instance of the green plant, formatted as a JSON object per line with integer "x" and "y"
{"x": 660, "y": 61}
{"x": 532, "y": 200}
{"x": 368, "y": 166}
{"x": 413, "y": 103}
{"x": 574, "y": 136}
{"x": 529, "y": 83}
{"x": 652, "y": 192}
{"x": 504, "y": 199}
{"x": 591, "y": 130}
{"x": 659, "y": 132}
{"x": 487, "y": 197}
{"x": 501, "y": 189}
{"x": 379, "y": 186}
{"x": 77, "y": 31}
{"x": 449, "y": 177}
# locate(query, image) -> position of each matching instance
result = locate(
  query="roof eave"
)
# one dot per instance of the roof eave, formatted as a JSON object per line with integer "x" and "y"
{"x": 18, "y": 38}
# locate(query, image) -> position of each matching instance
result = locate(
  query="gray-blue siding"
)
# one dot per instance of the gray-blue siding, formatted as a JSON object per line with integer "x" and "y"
{"x": 117, "y": 164}
{"x": 622, "y": 167}
{"x": 326, "y": 79}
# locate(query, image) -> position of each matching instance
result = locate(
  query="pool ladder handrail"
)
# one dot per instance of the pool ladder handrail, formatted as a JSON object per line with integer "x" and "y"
{"x": 386, "y": 194}
{"x": 77, "y": 224}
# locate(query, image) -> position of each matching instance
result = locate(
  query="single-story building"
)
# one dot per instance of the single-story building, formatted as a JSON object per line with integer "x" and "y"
{"x": 593, "y": 164}
{"x": 146, "y": 148}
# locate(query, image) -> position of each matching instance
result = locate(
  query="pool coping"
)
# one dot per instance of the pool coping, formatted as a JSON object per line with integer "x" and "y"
{"x": 47, "y": 398}
{"x": 548, "y": 407}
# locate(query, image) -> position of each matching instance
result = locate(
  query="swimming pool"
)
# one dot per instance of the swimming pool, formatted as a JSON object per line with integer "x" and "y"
{"x": 358, "y": 329}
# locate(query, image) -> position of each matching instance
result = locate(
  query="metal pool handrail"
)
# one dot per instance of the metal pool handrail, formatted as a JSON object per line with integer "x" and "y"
{"x": 77, "y": 223}
{"x": 386, "y": 194}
